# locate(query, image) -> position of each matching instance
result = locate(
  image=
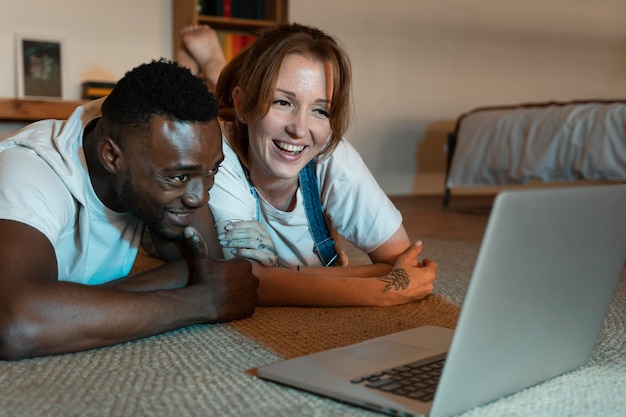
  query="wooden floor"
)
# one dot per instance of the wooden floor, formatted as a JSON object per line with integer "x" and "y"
{"x": 464, "y": 220}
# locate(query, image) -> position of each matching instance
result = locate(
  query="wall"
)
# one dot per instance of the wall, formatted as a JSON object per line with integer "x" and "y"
{"x": 417, "y": 63}
{"x": 101, "y": 39}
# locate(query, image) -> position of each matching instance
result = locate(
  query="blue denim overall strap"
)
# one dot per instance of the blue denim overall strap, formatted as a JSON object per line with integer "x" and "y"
{"x": 324, "y": 243}
{"x": 259, "y": 218}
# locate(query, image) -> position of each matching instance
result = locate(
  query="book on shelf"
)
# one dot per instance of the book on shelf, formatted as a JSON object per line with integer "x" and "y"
{"x": 248, "y": 9}
{"x": 242, "y": 9}
{"x": 234, "y": 42}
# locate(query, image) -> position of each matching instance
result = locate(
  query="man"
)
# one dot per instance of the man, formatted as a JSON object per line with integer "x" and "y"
{"x": 74, "y": 198}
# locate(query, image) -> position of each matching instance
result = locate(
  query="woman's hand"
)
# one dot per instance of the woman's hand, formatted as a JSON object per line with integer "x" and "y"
{"x": 409, "y": 279}
{"x": 249, "y": 239}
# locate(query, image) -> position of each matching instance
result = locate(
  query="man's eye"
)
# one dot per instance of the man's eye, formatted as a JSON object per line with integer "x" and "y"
{"x": 179, "y": 178}
{"x": 212, "y": 172}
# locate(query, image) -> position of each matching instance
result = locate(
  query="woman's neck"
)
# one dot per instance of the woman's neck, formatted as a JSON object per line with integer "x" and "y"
{"x": 280, "y": 193}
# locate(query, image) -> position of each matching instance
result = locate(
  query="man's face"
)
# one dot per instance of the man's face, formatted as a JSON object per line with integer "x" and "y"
{"x": 169, "y": 172}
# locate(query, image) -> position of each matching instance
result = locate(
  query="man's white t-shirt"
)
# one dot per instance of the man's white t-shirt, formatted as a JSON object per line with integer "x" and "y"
{"x": 355, "y": 205}
{"x": 44, "y": 183}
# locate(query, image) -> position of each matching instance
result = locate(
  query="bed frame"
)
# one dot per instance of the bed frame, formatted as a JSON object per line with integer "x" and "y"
{"x": 550, "y": 141}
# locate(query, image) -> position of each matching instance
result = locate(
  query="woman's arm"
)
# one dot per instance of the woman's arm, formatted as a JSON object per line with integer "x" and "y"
{"x": 395, "y": 277}
{"x": 367, "y": 285}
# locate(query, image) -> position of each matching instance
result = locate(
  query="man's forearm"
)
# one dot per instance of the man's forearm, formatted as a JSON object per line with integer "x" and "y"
{"x": 171, "y": 275}
{"x": 67, "y": 317}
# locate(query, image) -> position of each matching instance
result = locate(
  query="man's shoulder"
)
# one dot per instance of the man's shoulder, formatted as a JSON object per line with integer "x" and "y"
{"x": 16, "y": 161}
{"x": 49, "y": 132}
{"x": 31, "y": 135}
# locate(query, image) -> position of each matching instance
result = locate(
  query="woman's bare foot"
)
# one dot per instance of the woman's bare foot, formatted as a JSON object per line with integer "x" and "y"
{"x": 201, "y": 52}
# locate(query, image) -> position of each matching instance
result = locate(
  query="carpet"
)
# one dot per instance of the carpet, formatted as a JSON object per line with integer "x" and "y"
{"x": 201, "y": 370}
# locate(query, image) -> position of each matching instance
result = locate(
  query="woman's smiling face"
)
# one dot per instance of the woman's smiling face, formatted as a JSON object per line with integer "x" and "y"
{"x": 297, "y": 125}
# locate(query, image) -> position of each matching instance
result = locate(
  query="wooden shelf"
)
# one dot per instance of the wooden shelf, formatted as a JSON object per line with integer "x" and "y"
{"x": 185, "y": 13}
{"x": 231, "y": 23}
{"x": 17, "y": 110}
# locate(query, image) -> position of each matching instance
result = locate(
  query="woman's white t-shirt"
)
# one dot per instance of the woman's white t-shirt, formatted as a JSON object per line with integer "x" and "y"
{"x": 353, "y": 202}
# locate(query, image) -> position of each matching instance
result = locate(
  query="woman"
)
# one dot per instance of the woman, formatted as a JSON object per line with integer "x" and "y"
{"x": 284, "y": 102}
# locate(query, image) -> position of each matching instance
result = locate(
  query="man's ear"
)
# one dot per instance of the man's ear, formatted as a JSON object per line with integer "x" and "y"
{"x": 109, "y": 154}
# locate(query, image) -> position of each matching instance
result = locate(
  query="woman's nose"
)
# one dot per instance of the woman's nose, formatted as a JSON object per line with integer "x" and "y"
{"x": 297, "y": 126}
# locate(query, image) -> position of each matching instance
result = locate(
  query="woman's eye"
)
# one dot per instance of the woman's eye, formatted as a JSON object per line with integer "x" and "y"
{"x": 280, "y": 102}
{"x": 323, "y": 112}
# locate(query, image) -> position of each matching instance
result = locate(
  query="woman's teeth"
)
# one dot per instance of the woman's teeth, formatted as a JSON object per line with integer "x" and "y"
{"x": 287, "y": 147}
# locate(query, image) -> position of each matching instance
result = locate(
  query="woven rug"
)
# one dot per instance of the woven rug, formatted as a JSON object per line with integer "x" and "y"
{"x": 202, "y": 370}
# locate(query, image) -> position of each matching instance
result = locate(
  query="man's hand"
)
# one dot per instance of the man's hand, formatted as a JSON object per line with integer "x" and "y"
{"x": 249, "y": 239}
{"x": 41, "y": 315}
{"x": 228, "y": 289}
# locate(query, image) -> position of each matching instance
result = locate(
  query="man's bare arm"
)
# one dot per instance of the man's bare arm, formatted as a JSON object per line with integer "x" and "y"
{"x": 173, "y": 274}
{"x": 40, "y": 315}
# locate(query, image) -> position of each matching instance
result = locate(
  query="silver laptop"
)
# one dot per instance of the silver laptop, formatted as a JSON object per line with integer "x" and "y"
{"x": 541, "y": 286}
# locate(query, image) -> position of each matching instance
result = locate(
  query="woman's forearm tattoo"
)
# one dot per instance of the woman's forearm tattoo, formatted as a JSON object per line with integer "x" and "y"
{"x": 398, "y": 279}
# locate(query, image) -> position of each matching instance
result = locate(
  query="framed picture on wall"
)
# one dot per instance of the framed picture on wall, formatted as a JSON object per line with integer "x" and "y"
{"x": 39, "y": 67}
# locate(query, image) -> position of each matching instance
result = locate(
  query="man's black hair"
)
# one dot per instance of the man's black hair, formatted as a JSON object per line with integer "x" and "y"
{"x": 160, "y": 87}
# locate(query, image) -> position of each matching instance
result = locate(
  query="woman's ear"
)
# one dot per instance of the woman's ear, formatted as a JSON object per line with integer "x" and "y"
{"x": 238, "y": 98}
{"x": 109, "y": 154}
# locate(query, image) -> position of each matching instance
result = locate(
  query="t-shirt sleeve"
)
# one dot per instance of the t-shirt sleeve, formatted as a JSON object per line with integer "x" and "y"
{"x": 32, "y": 193}
{"x": 357, "y": 206}
{"x": 230, "y": 198}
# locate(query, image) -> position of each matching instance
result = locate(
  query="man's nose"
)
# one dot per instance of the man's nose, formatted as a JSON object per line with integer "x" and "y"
{"x": 197, "y": 193}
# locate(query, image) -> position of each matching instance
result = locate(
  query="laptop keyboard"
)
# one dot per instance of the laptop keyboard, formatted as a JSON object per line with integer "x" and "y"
{"x": 416, "y": 380}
